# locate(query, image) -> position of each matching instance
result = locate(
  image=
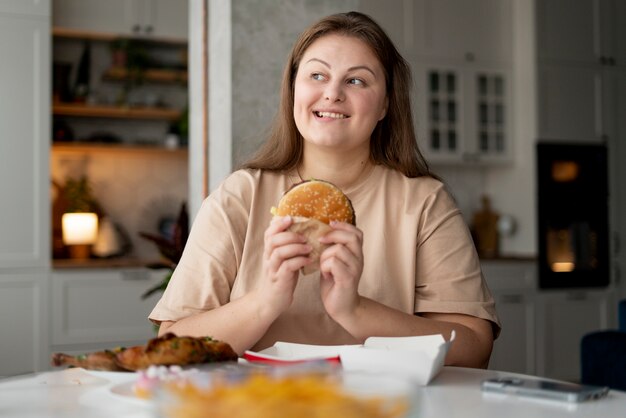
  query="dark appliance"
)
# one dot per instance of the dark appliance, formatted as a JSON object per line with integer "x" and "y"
{"x": 573, "y": 214}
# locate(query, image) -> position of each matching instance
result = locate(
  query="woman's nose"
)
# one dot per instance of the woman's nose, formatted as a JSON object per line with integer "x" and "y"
{"x": 334, "y": 92}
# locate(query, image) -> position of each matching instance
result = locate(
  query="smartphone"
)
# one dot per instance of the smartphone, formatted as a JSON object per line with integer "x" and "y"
{"x": 545, "y": 389}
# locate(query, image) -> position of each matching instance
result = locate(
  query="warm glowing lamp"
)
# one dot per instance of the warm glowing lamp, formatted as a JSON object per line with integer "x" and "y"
{"x": 80, "y": 230}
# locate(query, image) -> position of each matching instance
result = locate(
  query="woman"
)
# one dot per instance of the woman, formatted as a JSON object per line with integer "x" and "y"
{"x": 409, "y": 267}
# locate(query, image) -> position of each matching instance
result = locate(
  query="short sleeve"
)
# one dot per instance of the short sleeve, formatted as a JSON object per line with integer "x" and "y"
{"x": 448, "y": 274}
{"x": 204, "y": 277}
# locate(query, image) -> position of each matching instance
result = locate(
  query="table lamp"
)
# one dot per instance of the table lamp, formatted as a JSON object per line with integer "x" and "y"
{"x": 80, "y": 231}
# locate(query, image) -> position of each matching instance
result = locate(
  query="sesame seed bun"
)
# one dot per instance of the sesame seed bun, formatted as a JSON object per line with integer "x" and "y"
{"x": 316, "y": 199}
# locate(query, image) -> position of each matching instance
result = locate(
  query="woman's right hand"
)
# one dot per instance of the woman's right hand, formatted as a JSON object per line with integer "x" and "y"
{"x": 284, "y": 254}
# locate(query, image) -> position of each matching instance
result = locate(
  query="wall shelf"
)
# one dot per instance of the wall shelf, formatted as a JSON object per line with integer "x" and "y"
{"x": 99, "y": 111}
{"x": 69, "y": 33}
{"x": 150, "y": 75}
{"x": 86, "y": 147}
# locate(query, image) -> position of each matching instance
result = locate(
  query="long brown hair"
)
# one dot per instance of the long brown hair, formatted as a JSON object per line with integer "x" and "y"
{"x": 393, "y": 142}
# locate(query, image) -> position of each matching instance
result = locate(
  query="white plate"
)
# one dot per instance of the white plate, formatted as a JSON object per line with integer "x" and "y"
{"x": 125, "y": 391}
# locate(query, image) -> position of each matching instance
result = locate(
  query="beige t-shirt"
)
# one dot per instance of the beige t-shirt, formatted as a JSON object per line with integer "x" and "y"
{"x": 419, "y": 255}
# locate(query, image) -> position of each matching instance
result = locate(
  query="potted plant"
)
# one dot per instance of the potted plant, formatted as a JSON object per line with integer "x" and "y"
{"x": 171, "y": 249}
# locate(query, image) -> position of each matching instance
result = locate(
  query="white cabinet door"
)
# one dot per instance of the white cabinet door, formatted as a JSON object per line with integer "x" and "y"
{"x": 463, "y": 31}
{"x": 513, "y": 351}
{"x": 513, "y": 286}
{"x": 570, "y": 30}
{"x": 564, "y": 317}
{"x": 115, "y": 16}
{"x": 24, "y": 147}
{"x": 159, "y": 18}
{"x": 31, "y": 7}
{"x": 23, "y": 310}
{"x": 168, "y": 18}
{"x": 572, "y": 103}
{"x": 104, "y": 306}
{"x": 464, "y": 115}
{"x": 617, "y": 17}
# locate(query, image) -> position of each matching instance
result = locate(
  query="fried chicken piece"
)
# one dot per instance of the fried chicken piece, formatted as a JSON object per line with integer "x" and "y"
{"x": 99, "y": 360}
{"x": 172, "y": 350}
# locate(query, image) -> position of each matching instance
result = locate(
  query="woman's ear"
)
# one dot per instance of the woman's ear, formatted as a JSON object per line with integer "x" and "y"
{"x": 384, "y": 110}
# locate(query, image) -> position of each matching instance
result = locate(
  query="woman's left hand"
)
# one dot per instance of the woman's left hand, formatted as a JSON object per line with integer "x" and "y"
{"x": 341, "y": 266}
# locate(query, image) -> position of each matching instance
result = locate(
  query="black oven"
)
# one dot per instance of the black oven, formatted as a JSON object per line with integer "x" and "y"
{"x": 573, "y": 214}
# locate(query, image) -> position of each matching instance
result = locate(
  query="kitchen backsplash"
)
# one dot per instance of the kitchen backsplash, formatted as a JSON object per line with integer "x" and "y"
{"x": 137, "y": 189}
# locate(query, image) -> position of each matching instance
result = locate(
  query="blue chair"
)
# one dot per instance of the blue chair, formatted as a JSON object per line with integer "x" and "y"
{"x": 603, "y": 355}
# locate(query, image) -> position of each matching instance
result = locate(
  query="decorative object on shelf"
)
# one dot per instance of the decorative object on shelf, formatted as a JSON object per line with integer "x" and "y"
{"x": 131, "y": 56}
{"x": 80, "y": 231}
{"x": 61, "y": 131}
{"x": 81, "y": 86}
{"x": 485, "y": 230}
{"x": 171, "y": 249}
{"x": 112, "y": 240}
{"x": 61, "y": 91}
{"x": 75, "y": 196}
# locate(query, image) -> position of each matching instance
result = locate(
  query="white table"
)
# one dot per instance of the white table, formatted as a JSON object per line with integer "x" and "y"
{"x": 455, "y": 392}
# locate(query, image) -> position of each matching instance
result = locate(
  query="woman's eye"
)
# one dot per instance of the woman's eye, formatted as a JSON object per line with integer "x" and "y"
{"x": 317, "y": 76}
{"x": 356, "y": 81}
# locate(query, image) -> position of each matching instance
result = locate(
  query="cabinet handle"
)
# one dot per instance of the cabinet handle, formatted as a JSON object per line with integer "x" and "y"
{"x": 148, "y": 29}
{"x": 470, "y": 57}
{"x": 136, "y": 28}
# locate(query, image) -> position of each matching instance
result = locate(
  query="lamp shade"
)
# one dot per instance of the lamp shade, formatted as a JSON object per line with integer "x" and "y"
{"x": 79, "y": 228}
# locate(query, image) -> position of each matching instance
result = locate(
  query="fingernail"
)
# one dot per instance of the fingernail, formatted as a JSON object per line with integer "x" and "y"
{"x": 333, "y": 223}
{"x": 286, "y": 219}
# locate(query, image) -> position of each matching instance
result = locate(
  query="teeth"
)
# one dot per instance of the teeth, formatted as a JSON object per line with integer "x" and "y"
{"x": 330, "y": 115}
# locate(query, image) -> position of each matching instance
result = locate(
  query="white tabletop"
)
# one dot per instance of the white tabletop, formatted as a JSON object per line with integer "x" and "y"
{"x": 455, "y": 392}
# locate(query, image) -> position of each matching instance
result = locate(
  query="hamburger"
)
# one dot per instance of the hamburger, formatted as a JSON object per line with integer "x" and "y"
{"x": 313, "y": 204}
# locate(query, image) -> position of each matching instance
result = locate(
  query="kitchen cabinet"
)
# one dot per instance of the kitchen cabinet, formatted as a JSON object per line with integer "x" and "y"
{"x": 153, "y": 18}
{"x": 580, "y": 54}
{"x": 23, "y": 313}
{"x": 26, "y": 7}
{"x": 464, "y": 113}
{"x": 565, "y": 317}
{"x": 591, "y": 32}
{"x": 461, "y": 55}
{"x": 456, "y": 32}
{"x": 513, "y": 351}
{"x": 574, "y": 103}
{"x": 24, "y": 146}
{"x": 24, "y": 180}
{"x": 101, "y": 307}
{"x": 513, "y": 284}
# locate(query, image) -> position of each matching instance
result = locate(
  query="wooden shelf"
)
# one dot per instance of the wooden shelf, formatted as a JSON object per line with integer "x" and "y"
{"x": 151, "y": 75}
{"x": 88, "y": 111}
{"x": 94, "y": 263}
{"x": 69, "y": 33}
{"x": 86, "y": 147}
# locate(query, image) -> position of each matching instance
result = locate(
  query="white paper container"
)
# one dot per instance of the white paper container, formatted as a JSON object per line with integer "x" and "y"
{"x": 417, "y": 358}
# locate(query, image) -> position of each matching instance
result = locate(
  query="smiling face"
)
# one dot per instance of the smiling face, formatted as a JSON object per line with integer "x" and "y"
{"x": 339, "y": 94}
